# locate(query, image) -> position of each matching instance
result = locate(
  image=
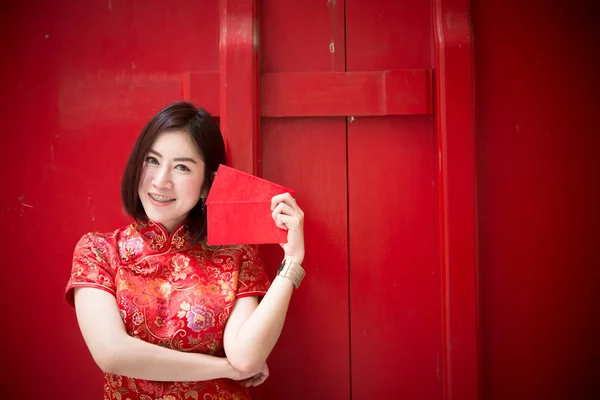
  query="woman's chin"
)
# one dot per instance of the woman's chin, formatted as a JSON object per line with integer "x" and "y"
{"x": 159, "y": 219}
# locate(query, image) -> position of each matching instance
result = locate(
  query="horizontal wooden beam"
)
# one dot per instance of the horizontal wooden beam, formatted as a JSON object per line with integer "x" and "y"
{"x": 344, "y": 93}
{"x": 396, "y": 92}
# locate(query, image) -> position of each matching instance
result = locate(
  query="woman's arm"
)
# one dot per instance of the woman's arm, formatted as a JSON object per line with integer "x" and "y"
{"x": 253, "y": 329}
{"x": 118, "y": 353}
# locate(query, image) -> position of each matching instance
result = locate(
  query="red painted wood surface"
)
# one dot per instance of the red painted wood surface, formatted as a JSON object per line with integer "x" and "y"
{"x": 456, "y": 147}
{"x": 394, "y": 259}
{"x": 306, "y": 36}
{"x": 314, "y": 94}
{"x": 343, "y": 93}
{"x": 538, "y": 196}
{"x": 388, "y": 34}
{"x": 393, "y": 217}
{"x": 204, "y": 89}
{"x": 83, "y": 79}
{"x": 311, "y": 359}
{"x": 239, "y": 82}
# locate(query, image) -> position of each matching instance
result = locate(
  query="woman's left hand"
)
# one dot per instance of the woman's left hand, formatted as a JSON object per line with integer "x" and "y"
{"x": 258, "y": 378}
{"x": 287, "y": 215}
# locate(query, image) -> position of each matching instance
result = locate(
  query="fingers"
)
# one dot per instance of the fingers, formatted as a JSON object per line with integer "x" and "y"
{"x": 255, "y": 380}
{"x": 283, "y": 215}
{"x": 283, "y": 208}
{"x": 284, "y": 198}
{"x": 260, "y": 380}
{"x": 288, "y": 222}
{"x": 279, "y": 221}
{"x": 265, "y": 370}
{"x": 250, "y": 381}
{"x": 286, "y": 213}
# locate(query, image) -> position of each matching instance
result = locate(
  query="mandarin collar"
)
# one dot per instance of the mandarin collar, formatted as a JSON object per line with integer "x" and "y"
{"x": 159, "y": 239}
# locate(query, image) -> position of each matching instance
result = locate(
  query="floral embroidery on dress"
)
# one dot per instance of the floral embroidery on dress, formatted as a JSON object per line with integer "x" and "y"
{"x": 181, "y": 267}
{"x": 198, "y": 317}
{"x": 170, "y": 293}
{"x": 130, "y": 247}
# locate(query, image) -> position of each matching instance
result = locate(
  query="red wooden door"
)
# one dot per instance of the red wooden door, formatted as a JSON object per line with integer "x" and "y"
{"x": 349, "y": 126}
{"x": 346, "y": 119}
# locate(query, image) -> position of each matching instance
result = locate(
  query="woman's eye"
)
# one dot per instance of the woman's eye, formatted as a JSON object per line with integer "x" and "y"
{"x": 151, "y": 160}
{"x": 182, "y": 167}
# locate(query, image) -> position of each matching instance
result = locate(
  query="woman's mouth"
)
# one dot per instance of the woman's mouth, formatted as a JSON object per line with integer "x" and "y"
{"x": 160, "y": 199}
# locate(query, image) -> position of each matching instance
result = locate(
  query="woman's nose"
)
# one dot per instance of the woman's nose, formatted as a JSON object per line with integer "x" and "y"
{"x": 162, "y": 180}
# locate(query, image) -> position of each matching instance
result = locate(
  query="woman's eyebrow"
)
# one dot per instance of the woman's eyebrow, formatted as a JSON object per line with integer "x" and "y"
{"x": 188, "y": 159}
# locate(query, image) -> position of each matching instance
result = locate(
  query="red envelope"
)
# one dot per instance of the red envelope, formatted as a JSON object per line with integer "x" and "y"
{"x": 239, "y": 209}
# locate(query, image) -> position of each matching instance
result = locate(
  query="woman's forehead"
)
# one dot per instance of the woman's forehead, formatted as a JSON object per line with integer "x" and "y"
{"x": 172, "y": 144}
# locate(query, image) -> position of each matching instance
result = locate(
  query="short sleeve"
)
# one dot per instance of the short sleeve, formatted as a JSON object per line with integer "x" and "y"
{"x": 252, "y": 278}
{"x": 92, "y": 265}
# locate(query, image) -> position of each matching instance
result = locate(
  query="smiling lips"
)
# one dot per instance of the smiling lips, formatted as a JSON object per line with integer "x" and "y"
{"x": 159, "y": 200}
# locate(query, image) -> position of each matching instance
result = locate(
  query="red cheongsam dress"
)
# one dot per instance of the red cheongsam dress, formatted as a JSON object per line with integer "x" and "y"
{"x": 170, "y": 294}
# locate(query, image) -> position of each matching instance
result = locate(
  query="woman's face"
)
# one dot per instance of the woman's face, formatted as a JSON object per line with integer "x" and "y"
{"x": 172, "y": 179}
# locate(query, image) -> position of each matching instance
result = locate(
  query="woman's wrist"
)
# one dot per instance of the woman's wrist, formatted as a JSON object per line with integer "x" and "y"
{"x": 291, "y": 270}
{"x": 296, "y": 259}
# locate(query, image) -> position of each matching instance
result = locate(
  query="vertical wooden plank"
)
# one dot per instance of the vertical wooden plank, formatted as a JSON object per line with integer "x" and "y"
{"x": 456, "y": 144}
{"x": 394, "y": 259}
{"x": 393, "y": 216}
{"x": 311, "y": 359}
{"x": 239, "y": 82}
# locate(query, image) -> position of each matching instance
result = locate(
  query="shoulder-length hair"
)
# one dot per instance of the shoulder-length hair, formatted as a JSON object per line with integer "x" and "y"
{"x": 205, "y": 132}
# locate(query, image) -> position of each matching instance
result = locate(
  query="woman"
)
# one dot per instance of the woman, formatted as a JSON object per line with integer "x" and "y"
{"x": 164, "y": 315}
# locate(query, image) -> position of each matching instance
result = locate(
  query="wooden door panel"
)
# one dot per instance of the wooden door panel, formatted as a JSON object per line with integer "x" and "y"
{"x": 302, "y": 36}
{"x": 311, "y": 359}
{"x": 394, "y": 259}
{"x": 388, "y": 34}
